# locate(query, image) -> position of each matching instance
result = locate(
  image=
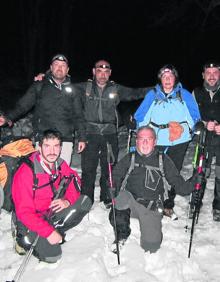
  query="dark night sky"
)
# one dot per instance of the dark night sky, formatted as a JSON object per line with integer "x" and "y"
{"x": 137, "y": 37}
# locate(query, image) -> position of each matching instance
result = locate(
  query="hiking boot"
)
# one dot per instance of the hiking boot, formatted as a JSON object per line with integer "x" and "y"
{"x": 121, "y": 243}
{"x": 19, "y": 250}
{"x": 170, "y": 213}
{"x": 216, "y": 215}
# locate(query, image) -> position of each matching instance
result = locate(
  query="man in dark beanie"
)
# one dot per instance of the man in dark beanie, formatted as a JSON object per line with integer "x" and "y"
{"x": 56, "y": 106}
{"x": 208, "y": 99}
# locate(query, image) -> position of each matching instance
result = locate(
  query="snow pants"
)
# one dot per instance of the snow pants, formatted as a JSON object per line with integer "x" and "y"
{"x": 149, "y": 220}
{"x": 95, "y": 152}
{"x": 62, "y": 221}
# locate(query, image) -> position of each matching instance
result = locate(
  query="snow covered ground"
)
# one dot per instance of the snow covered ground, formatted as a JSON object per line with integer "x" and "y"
{"x": 87, "y": 258}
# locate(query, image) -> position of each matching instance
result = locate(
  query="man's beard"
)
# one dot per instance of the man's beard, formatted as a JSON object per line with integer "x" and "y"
{"x": 213, "y": 88}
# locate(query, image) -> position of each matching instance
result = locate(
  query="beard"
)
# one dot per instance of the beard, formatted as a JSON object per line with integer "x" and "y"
{"x": 213, "y": 88}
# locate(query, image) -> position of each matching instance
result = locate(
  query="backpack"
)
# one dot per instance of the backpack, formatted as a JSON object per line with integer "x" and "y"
{"x": 10, "y": 158}
{"x": 114, "y": 90}
{"x": 160, "y": 168}
{"x": 164, "y": 110}
{"x": 12, "y": 164}
{"x": 169, "y": 103}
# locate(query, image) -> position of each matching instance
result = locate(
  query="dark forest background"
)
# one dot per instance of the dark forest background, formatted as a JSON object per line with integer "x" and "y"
{"x": 137, "y": 37}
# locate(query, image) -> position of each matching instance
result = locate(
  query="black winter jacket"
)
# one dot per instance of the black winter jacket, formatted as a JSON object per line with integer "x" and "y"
{"x": 54, "y": 108}
{"x": 147, "y": 183}
{"x": 100, "y": 106}
{"x": 209, "y": 108}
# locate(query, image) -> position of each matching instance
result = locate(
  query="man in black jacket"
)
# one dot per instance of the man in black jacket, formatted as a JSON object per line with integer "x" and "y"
{"x": 208, "y": 99}
{"x": 56, "y": 106}
{"x": 141, "y": 180}
{"x": 100, "y": 98}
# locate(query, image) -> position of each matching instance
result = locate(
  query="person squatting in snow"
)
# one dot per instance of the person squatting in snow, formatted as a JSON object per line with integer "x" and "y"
{"x": 38, "y": 210}
{"x": 140, "y": 191}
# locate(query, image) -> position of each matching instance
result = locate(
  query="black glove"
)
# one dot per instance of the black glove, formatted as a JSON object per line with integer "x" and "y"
{"x": 197, "y": 196}
{"x": 199, "y": 127}
{"x": 132, "y": 123}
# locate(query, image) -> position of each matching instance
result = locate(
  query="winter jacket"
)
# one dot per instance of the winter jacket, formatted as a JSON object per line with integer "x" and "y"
{"x": 100, "y": 106}
{"x": 55, "y": 107}
{"x": 209, "y": 108}
{"x": 145, "y": 181}
{"x": 31, "y": 205}
{"x": 160, "y": 109}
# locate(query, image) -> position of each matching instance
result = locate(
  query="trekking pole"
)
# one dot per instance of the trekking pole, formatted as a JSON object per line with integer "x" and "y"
{"x": 26, "y": 260}
{"x": 28, "y": 255}
{"x": 200, "y": 183}
{"x": 194, "y": 165}
{"x": 111, "y": 159}
{"x": 129, "y": 140}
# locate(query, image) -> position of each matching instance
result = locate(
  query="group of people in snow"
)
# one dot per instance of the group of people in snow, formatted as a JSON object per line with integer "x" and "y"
{"x": 49, "y": 197}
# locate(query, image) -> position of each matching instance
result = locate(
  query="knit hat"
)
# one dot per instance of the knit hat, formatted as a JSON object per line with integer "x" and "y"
{"x": 60, "y": 57}
{"x": 211, "y": 64}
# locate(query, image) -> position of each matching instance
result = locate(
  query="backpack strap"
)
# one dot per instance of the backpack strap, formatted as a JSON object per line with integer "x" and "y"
{"x": 155, "y": 95}
{"x": 179, "y": 96}
{"x": 30, "y": 164}
{"x": 88, "y": 87}
{"x": 131, "y": 168}
{"x": 76, "y": 183}
{"x": 64, "y": 182}
{"x": 161, "y": 167}
{"x": 114, "y": 91}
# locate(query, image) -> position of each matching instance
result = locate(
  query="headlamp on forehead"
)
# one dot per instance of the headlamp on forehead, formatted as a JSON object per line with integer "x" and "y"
{"x": 103, "y": 66}
{"x": 168, "y": 69}
{"x": 59, "y": 57}
{"x": 211, "y": 64}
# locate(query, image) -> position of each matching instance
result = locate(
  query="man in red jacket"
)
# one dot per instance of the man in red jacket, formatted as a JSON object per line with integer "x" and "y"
{"x": 47, "y": 199}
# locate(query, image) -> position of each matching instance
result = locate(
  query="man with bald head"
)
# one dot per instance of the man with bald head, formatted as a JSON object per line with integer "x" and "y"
{"x": 100, "y": 98}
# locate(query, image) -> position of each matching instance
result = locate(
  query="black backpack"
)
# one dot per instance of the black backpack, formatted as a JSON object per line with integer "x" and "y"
{"x": 12, "y": 164}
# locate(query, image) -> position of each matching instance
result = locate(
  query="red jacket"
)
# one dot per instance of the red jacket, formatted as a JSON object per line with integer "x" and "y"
{"x": 30, "y": 205}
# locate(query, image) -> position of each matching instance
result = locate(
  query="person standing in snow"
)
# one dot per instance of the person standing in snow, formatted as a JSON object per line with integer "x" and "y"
{"x": 38, "y": 209}
{"x": 140, "y": 182}
{"x": 100, "y": 98}
{"x": 172, "y": 111}
{"x": 208, "y": 99}
{"x": 56, "y": 106}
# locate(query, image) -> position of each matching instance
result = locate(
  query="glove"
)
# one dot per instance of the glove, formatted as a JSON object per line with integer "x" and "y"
{"x": 132, "y": 123}
{"x": 197, "y": 196}
{"x": 199, "y": 127}
{"x": 175, "y": 130}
